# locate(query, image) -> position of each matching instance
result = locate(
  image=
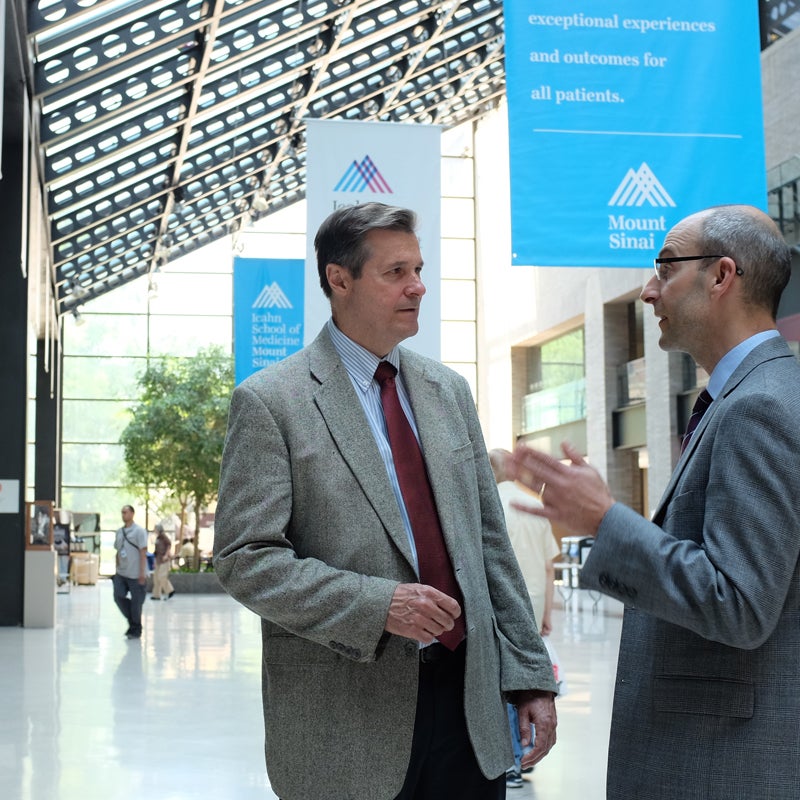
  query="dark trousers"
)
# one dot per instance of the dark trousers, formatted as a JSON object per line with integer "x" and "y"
{"x": 443, "y": 762}
{"x": 131, "y": 608}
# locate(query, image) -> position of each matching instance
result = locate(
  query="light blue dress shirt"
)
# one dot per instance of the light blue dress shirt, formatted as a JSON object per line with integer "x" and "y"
{"x": 361, "y": 365}
{"x": 728, "y": 363}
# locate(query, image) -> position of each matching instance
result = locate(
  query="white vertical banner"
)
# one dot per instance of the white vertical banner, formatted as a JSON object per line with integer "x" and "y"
{"x": 348, "y": 163}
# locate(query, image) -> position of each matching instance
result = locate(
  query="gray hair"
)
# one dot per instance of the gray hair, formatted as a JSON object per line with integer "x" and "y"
{"x": 341, "y": 237}
{"x": 754, "y": 242}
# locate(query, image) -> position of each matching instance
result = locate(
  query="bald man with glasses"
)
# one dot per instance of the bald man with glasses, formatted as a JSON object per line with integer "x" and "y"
{"x": 707, "y": 700}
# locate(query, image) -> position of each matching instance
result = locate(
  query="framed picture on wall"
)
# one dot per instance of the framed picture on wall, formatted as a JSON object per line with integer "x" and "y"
{"x": 39, "y": 525}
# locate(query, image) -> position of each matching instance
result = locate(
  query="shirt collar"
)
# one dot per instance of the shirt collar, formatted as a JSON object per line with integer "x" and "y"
{"x": 728, "y": 363}
{"x": 358, "y": 361}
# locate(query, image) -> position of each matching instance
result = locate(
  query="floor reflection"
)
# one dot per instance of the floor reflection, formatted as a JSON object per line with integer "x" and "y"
{"x": 90, "y": 715}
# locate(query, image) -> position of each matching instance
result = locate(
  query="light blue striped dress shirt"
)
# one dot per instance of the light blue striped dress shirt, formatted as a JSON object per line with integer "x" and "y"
{"x": 361, "y": 365}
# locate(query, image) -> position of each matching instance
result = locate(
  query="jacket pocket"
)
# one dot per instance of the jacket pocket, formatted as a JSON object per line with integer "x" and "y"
{"x": 297, "y": 652}
{"x": 710, "y": 696}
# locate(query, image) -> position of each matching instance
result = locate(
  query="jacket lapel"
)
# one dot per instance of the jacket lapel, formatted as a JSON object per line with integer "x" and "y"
{"x": 766, "y": 351}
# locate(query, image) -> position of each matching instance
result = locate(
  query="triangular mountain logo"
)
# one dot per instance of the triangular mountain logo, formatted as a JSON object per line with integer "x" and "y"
{"x": 361, "y": 176}
{"x": 272, "y": 296}
{"x": 640, "y": 187}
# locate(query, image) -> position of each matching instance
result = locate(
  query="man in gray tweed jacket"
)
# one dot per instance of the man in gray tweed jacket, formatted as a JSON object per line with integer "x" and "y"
{"x": 313, "y": 534}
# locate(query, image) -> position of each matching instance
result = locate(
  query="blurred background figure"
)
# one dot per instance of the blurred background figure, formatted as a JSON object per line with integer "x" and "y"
{"x": 186, "y": 552}
{"x": 162, "y": 588}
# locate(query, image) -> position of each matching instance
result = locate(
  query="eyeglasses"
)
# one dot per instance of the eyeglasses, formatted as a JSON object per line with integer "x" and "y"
{"x": 663, "y": 268}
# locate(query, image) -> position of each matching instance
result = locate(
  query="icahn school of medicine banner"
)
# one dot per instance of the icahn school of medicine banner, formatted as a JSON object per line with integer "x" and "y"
{"x": 625, "y": 117}
{"x": 361, "y": 162}
{"x": 267, "y": 312}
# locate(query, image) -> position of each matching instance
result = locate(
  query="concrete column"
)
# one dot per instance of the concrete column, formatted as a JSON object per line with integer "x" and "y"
{"x": 663, "y": 383}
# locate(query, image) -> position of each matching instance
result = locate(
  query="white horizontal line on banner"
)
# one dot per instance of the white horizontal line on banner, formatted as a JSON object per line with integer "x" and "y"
{"x": 643, "y": 133}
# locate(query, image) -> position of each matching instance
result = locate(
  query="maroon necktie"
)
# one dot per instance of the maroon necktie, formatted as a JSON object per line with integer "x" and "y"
{"x": 435, "y": 568}
{"x": 700, "y": 407}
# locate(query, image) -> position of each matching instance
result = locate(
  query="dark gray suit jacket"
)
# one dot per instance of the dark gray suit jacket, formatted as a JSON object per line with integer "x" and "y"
{"x": 707, "y": 701}
{"x": 309, "y": 536}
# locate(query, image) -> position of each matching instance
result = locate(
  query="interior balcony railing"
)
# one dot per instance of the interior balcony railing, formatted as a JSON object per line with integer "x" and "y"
{"x": 783, "y": 199}
{"x": 558, "y": 405}
{"x": 631, "y": 383}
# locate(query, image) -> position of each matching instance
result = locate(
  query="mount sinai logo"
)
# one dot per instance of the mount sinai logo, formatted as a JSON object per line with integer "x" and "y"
{"x": 272, "y": 296}
{"x": 640, "y": 187}
{"x": 362, "y": 176}
{"x": 632, "y": 231}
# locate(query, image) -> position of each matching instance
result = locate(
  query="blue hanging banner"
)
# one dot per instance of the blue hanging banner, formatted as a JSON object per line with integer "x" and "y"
{"x": 267, "y": 312}
{"x": 625, "y": 117}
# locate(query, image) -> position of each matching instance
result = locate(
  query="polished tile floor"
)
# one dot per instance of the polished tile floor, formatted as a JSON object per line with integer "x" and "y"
{"x": 89, "y": 715}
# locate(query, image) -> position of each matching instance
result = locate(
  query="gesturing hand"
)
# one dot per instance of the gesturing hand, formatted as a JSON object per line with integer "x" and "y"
{"x": 421, "y": 612}
{"x": 573, "y": 495}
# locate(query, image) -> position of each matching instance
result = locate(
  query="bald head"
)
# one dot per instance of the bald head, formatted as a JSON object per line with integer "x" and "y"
{"x": 748, "y": 215}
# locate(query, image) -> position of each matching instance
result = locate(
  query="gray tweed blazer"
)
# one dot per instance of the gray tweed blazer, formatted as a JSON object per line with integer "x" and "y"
{"x": 707, "y": 701}
{"x": 309, "y": 536}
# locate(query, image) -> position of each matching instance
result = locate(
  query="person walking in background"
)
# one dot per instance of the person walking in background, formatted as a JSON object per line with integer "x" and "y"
{"x": 707, "y": 695}
{"x": 130, "y": 577}
{"x": 536, "y": 549}
{"x": 161, "y": 581}
{"x": 358, "y": 517}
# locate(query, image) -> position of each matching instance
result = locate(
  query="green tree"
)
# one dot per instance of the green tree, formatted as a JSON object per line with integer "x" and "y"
{"x": 177, "y": 429}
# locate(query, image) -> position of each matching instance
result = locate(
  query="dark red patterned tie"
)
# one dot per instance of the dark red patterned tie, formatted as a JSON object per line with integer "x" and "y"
{"x": 700, "y": 407}
{"x": 435, "y": 567}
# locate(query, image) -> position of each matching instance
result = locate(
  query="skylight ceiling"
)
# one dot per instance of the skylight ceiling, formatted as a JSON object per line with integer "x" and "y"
{"x": 166, "y": 125}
